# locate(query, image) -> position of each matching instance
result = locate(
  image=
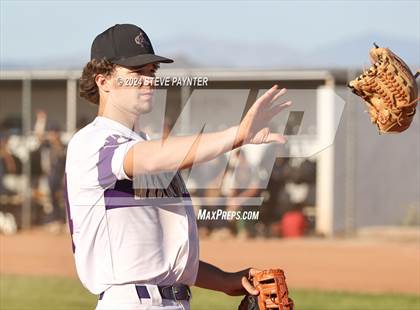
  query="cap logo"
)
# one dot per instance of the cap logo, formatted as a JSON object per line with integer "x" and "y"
{"x": 140, "y": 40}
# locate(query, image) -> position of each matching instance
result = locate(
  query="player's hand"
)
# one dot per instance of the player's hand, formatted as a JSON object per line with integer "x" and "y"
{"x": 239, "y": 283}
{"x": 41, "y": 115}
{"x": 254, "y": 129}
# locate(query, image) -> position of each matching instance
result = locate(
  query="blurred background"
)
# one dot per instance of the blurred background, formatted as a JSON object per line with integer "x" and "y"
{"x": 344, "y": 222}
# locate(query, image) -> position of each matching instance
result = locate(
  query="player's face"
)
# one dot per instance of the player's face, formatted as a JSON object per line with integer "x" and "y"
{"x": 133, "y": 88}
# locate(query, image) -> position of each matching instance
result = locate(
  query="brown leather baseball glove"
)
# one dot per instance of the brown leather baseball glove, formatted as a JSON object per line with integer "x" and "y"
{"x": 273, "y": 292}
{"x": 389, "y": 89}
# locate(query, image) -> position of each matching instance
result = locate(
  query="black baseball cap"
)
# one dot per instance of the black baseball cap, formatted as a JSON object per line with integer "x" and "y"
{"x": 126, "y": 45}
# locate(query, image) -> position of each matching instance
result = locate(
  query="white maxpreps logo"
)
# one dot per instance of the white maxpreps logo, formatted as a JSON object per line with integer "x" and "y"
{"x": 310, "y": 126}
{"x": 140, "y": 40}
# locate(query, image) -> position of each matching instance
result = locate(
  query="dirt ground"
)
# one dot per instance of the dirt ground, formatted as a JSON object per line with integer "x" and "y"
{"x": 357, "y": 265}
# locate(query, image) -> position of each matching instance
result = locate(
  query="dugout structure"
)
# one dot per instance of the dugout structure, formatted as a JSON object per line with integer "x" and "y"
{"x": 363, "y": 179}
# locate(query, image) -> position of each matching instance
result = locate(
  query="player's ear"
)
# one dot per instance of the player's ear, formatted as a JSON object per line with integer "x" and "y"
{"x": 103, "y": 82}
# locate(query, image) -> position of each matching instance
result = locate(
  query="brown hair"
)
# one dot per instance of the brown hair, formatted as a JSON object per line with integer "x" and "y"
{"x": 87, "y": 85}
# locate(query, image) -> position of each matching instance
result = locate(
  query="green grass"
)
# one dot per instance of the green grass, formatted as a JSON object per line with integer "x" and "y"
{"x": 21, "y": 293}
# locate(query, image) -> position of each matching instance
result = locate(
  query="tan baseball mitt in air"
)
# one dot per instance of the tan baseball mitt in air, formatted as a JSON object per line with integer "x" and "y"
{"x": 389, "y": 89}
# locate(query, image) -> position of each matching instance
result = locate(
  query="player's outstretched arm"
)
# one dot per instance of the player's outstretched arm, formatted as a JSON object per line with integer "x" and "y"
{"x": 182, "y": 152}
{"x": 231, "y": 283}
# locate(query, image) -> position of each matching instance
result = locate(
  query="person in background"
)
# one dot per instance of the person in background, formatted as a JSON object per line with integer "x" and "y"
{"x": 293, "y": 224}
{"x": 208, "y": 177}
{"x": 9, "y": 163}
{"x": 276, "y": 199}
{"x": 48, "y": 161}
{"x": 244, "y": 184}
{"x": 55, "y": 153}
{"x": 10, "y": 201}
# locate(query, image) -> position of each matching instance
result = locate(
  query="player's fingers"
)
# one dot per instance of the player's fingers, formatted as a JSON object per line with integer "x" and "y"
{"x": 272, "y": 91}
{"x": 280, "y": 93}
{"x": 248, "y": 287}
{"x": 267, "y": 96}
{"x": 278, "y": 108}
{"x": 252, "y": 272}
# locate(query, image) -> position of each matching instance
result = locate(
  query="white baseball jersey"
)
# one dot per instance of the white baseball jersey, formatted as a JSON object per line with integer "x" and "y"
{"x": 121, "y": 234}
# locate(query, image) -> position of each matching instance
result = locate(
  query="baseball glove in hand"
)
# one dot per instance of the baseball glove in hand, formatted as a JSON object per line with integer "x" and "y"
{"x": 389, "y": 89}
{"x": 273, "y": 292}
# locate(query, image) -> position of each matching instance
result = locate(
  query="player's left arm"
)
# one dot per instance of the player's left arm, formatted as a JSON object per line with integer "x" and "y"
{"x": 231, "y": 283}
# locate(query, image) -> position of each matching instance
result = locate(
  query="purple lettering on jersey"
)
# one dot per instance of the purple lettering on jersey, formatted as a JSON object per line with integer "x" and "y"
{"x": 123, "y": 195}
{"x": 67, "y": 205}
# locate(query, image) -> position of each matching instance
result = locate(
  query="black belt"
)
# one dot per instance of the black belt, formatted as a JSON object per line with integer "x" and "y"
{"x": 174, "y": 292}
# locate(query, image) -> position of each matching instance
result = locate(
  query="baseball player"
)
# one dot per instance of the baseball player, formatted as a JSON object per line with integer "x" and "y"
{"x": 138, "y": 248}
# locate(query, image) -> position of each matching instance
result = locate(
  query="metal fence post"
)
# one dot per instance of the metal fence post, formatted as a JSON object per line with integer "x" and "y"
{"x": 71, "y": 105}
{"x": 26, "y": 131}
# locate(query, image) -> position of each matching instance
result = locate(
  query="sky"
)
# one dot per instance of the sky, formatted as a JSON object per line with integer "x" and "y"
{"x": 37, "y": 30}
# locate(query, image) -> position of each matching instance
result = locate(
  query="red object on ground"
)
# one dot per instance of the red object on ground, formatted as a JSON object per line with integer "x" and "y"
{"x": 293, "y": 224}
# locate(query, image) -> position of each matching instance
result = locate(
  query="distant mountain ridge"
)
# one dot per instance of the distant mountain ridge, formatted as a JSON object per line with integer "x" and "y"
{"x": 355, "y": 51}
{"x": 189, "y": 52}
